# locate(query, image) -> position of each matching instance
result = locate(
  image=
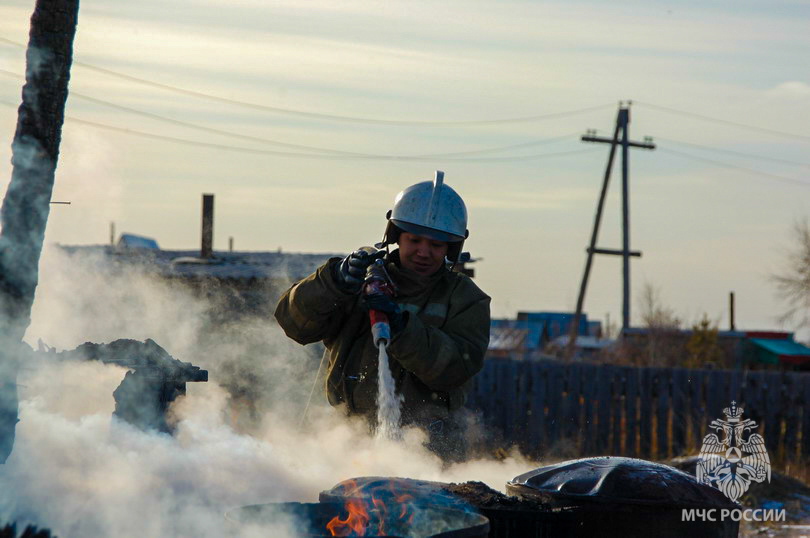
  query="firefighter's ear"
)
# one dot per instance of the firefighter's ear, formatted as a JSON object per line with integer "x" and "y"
{"x": 388, "y": 215}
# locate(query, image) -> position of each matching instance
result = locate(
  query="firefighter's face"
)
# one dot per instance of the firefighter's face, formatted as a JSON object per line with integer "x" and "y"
{"x": 420, "y": 253}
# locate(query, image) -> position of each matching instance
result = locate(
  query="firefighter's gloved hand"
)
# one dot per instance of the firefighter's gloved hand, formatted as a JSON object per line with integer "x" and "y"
{"x": 351, "y": 271}
{"x": 383, "y": 303}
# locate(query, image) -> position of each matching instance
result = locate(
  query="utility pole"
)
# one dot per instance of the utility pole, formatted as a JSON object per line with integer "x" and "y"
{"x": 622, "y": 123}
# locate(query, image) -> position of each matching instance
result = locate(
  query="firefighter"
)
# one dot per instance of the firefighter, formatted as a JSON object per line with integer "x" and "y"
{"x": 439, "y": 318}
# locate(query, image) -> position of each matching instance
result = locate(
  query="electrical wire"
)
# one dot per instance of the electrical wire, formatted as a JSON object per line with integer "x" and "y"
{"x": 725, "y": 122}
{"x": 190, "y": 125}
{"x": 323, "y": 116}
{"x": 261, "y": 140}
{"x": 732, "y": 152}
{"x": 736, "y": 167}
{"x": 317, "y": 156}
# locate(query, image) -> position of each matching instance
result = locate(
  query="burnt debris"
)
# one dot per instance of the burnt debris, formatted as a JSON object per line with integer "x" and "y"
{"x": 10, "y": 531}
{"x": 155, "y": 379}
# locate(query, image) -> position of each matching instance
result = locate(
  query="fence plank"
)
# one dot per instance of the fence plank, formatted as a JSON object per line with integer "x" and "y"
{"x": 756, "y": 385}
{"x": 522, "y": 402}
{"x": 591, "y": 374}
{"x": 617, "y": 390}
{"x": 630, "y": 403}
{"x": 562, "y": 409}
{"x": 662, "y": 412}
{"x": 735, "y": 382}
{"x": 555, "y": 390}
{"x": 506, "y": 384}
{"x": 772, "y": 413}
{"x": 697, "y": 405}
{"x": 487, "y": 389}
{"x": 537, "y": 426}
{"x": 680, "y": 413}
{"x": 716, "y": 394}
{"x": 792, "y": 420}
{"x": 572, "y": 416}
{"x": 645, "y": 413}
{"x": 508, "y": 381}
{"x": 603, "y": 411}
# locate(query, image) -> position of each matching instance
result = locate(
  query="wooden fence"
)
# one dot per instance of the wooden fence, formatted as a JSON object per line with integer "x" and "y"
{"x": 651, "y": 413}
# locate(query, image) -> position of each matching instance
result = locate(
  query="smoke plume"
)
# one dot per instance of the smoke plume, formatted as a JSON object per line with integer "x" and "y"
{"x": 80, "y": 473}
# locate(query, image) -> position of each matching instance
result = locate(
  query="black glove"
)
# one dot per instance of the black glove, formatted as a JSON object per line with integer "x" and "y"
{"x": 383, "y": 303}
{"x": 351, "y": 271}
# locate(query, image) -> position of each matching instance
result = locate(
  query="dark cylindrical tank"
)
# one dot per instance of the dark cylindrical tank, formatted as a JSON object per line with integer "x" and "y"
{"x": 624, "y": 497}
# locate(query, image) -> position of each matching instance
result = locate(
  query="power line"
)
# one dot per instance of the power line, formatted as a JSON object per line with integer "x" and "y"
{"x": 261, "y": 140}
{"x": 194, "y": 126}
{"x": 732, "y": 152}
{"x": 322, "y": 116}
{"x": 359, "y": 156}
{"x": 736, "y": 167}
{"x": 725, "y": 122}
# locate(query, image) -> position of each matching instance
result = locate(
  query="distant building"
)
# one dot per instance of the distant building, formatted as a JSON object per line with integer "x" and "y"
{"x": 537, "y": 335}
{"x": 132, "y": 241}
{"x": 737, "y": 349}
{"x": 242, "y": 282}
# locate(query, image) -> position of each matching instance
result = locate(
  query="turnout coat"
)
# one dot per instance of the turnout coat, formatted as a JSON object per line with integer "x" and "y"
{"x": 432, "y": 359}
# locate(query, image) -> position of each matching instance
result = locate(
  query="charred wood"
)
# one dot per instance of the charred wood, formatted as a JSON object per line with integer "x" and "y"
{"x": 10, "y": 531}
{"x": 154, "y": 381}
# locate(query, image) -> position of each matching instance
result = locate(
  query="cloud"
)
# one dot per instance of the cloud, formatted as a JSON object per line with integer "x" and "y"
{"x": 795, "y": 89}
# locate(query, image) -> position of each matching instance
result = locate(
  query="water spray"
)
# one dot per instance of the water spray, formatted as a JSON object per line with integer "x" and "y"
{"x": 378, "y": 281}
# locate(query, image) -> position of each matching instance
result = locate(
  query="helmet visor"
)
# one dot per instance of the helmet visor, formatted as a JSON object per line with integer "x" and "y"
{"x": 433, "y": 233}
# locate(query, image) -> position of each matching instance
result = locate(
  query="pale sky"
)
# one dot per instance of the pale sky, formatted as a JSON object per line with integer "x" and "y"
{"x": 704, "y": 229}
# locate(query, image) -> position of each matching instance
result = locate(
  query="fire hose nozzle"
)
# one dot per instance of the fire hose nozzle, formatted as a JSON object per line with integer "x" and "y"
{"x": 379, "y": 281}
{"x": 380, "y": 328}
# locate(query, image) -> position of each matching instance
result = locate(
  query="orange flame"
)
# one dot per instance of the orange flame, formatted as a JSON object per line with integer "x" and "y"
{"x": 406, "y": 508}
{"x": 385, "y": 500}
{"x": 355, "y": 522}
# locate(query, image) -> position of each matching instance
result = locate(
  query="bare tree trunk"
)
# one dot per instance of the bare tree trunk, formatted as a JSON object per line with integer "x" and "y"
{"x": 35, "y": 150}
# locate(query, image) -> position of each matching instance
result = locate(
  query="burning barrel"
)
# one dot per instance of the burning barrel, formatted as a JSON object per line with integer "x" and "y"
{"x": 604, "y": 497}
{"x": 355, "y": 517}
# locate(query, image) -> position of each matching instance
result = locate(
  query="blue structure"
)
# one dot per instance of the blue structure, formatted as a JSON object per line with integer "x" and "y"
{"x": 531, "y": 332}
{"x": 137, "y": 241}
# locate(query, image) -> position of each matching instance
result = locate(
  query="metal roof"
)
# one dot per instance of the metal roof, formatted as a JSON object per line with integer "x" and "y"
{"x": 223, "y": 265}
{"x": 788, "y": 350}
{"x": 555, "y": 323}
{"x": 585, "y": 341}
{"x": 514, "y": 334}
{"x": 507, "y": 338}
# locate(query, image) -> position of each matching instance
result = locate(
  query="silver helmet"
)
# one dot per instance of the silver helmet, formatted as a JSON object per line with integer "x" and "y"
{"x": 429, "y": 208}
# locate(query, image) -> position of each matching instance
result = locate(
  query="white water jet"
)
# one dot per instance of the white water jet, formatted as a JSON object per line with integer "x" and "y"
{"x": 388, "y": 401}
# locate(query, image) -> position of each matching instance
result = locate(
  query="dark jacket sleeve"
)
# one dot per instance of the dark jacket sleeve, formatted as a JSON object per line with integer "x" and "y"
{"x": 445, "y": 358}
{"x": 313, "y": 309}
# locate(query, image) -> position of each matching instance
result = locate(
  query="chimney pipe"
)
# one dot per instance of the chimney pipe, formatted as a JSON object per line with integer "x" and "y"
{"x": 207, "y": 248}
{"x": 731, "y": 310}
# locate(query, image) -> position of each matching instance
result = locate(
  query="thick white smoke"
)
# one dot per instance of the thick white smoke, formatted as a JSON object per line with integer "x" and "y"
{"x": 80, "y": 474}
